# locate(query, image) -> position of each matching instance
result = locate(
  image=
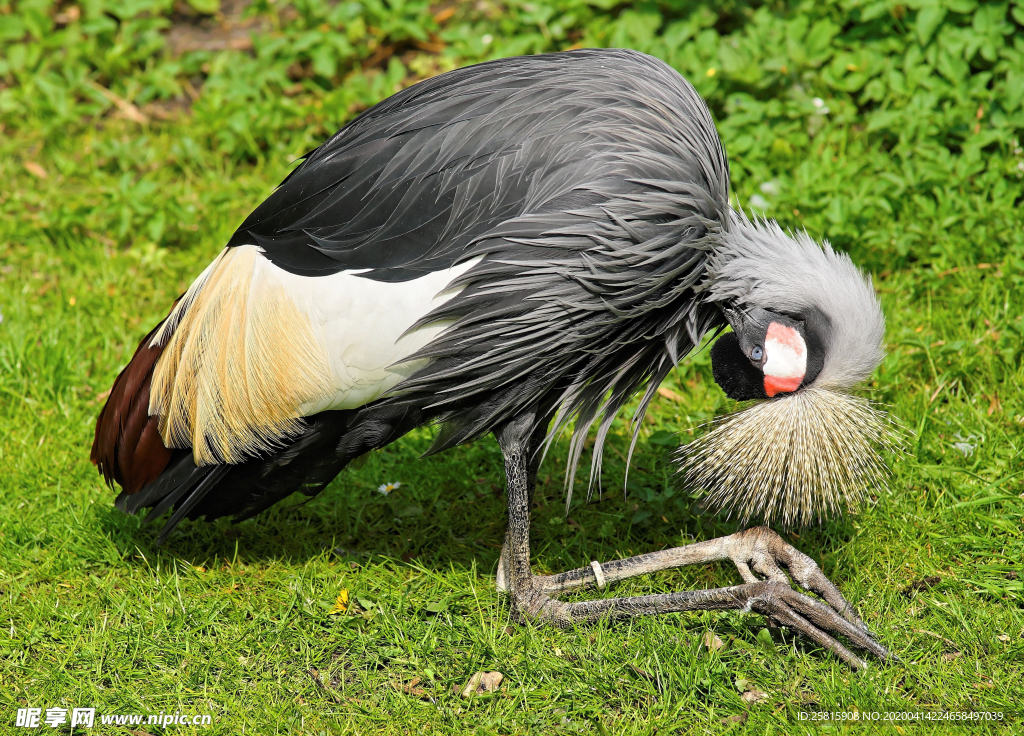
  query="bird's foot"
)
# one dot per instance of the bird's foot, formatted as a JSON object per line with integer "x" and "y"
{"x": 784, "y": 606}
{"x": 755, "y": 552}
{"x": 762, "y": 551}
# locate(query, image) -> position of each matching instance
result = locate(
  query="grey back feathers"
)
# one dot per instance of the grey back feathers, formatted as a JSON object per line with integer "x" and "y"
{"x": 613, "y": 269}
{"x": 411, "y": 184}
{"x": 756, "y": 264}
{"x": 588, "y": 294}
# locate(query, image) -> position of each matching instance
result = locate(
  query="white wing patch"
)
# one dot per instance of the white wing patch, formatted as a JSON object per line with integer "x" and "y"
{"x": 362, "y": 323}
{"x": 251, "y": 349}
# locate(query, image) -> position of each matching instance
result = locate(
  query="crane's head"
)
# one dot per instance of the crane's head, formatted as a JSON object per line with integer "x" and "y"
{"x": 806, "y": 329}
{"x": 767, "y": 354}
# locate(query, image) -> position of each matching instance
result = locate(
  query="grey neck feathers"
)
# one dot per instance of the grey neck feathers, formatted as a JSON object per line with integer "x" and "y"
{"x": 757, "y": 264}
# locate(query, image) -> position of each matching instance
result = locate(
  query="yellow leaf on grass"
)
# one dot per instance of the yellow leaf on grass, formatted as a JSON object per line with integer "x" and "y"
{"x": 36, "y": 170}
{"x": 340, "y": 603}
{"x": 711, "y": 641}
{"x": 669, "y": 394}
{"x": 753, "y": 695}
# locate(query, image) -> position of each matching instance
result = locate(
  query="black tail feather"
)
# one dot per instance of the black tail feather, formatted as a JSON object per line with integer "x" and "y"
{"x": 209, "y": 481}
{"x": 307, "y": 464}
{"x": 178, "y": 471}
{"x": 177, "y": 493}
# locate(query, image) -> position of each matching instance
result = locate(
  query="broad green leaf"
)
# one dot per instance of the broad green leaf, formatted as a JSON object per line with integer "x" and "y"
{"x": 874, "y": 91}
{"x": 991, "y": 20}
{"x": 951, "y": 67}
{"x": 741, "y": 144}
{"x": 819, "y": 40}
{"x": 1013, "y": 90}
{"x": 875, "y": 10}
{"x": 641, "y": 516}
{"x": 664, "y": 438}
{"x": 635, "y": 29}
{"x": 127, "y": 9}
{"x": 207, "y": 7}
{"x": 324, "y": 63}
{"x": 11, "y": 28}
{"x": 928, "y": 19}
{"x": 782, "y": 148}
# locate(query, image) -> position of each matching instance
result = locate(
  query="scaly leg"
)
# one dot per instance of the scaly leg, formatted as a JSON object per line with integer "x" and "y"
{"x": 533, "y": 464}
{"x": 754, "y": 550}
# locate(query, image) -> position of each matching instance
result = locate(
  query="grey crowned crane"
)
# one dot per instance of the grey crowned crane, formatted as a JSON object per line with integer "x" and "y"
{"x": 504, "y": 249}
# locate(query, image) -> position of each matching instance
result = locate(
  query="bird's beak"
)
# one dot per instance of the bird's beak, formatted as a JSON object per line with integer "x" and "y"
{"x": 735, "y": 318}
{"x": 743, "y": 321}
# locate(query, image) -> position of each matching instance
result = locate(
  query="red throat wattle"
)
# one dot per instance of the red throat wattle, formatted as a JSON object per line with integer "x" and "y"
{"x": 786, "y": 360}
{"x": 773, "y": 385}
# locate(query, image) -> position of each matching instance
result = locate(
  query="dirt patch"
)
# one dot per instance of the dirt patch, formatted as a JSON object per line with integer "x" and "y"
{"x": 228, "y": 30}
{"x": 922, "y": 584}
{"x": 167, "y": 109}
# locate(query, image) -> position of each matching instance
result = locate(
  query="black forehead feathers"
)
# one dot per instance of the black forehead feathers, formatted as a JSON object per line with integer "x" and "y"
{"x": 734, "y": 372}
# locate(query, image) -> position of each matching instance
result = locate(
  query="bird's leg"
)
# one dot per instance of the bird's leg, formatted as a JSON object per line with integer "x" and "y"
{"x": 754, "y": 550}
{"x": 533, "y": 463}
{"x": 758, "y": 550}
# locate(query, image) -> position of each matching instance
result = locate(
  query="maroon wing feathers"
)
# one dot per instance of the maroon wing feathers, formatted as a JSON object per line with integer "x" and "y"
{"x": 127, "y": 447}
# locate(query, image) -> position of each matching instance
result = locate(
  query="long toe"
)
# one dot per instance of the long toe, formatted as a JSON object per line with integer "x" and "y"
{"x": 813, "y": 619}
{"x": 767, "y": 552}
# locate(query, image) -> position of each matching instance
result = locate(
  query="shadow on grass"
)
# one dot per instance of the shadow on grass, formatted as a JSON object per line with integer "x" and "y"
{"x": 449, "y": 513}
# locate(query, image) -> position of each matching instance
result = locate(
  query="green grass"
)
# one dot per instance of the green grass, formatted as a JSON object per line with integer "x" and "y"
{"x": 107, "y": 215}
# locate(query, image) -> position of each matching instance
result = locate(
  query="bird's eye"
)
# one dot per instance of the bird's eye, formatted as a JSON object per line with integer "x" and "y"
{"x": 757, "y": 353}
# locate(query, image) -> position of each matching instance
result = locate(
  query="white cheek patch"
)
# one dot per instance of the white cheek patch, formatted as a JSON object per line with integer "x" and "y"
{"x": 785, "y": 359}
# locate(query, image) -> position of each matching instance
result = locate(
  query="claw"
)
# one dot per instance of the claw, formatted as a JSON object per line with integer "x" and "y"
{"x": 767, "y": 553}
{"x": 806, "y": 616}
